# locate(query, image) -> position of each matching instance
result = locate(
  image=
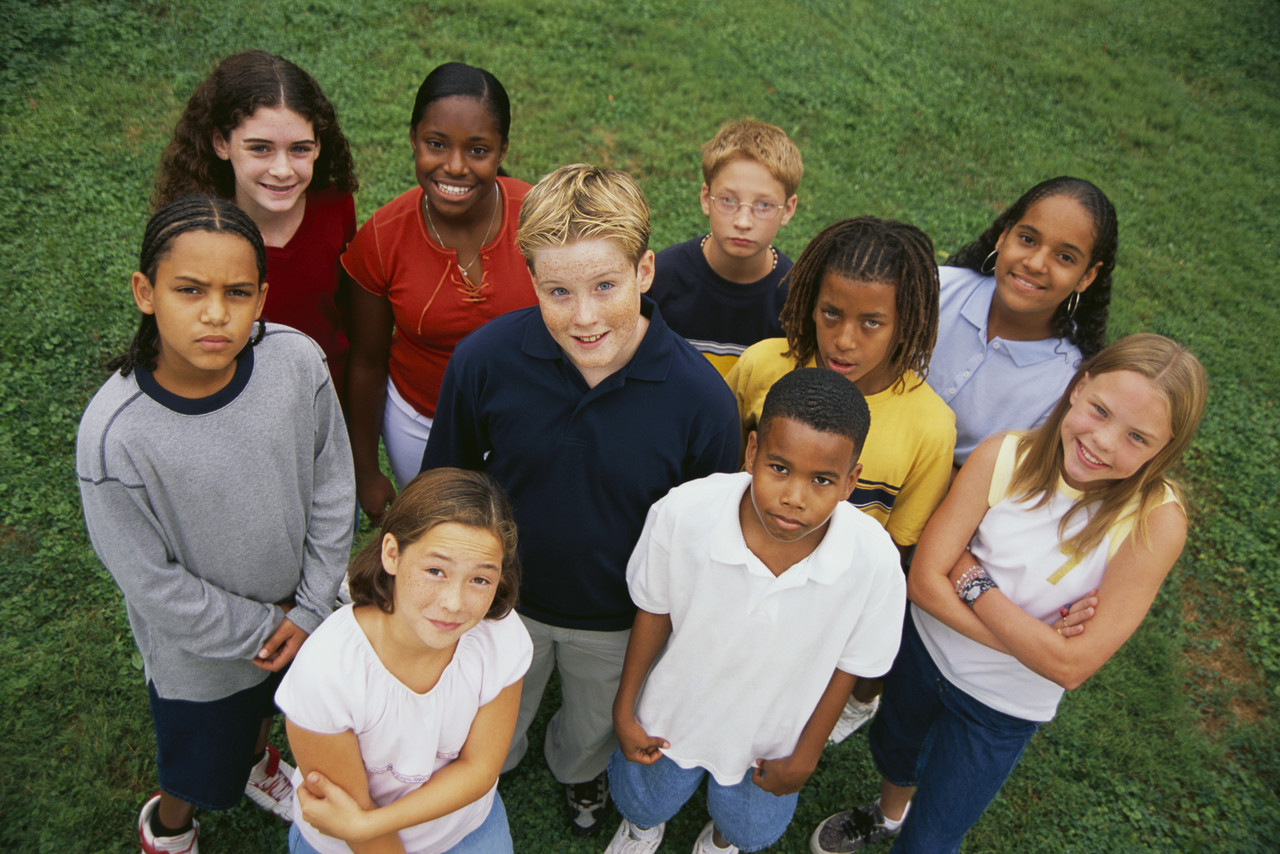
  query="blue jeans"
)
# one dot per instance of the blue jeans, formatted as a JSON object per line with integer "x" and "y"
{"x": 956, "y": 750}
{"x": 491, "y": 837}
{"x": 744, "y": 813}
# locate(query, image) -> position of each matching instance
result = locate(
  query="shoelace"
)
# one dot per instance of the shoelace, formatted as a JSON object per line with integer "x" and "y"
{"x": 859, "y": 825}
{"x": 277, "y": 786}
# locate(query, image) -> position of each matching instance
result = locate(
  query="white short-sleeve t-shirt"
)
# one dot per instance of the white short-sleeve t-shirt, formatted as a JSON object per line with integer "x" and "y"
{"x": 338, "y": 683}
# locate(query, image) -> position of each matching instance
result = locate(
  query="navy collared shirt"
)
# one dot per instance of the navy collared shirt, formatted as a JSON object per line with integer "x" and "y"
{"x": 581, "y": 465}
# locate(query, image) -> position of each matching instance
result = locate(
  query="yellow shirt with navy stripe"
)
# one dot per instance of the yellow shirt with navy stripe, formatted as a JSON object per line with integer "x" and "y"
{"x": 906, "y": 460}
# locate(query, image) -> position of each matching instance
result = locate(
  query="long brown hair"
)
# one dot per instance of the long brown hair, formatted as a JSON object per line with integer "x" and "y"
{"x": 1180, "y": 377}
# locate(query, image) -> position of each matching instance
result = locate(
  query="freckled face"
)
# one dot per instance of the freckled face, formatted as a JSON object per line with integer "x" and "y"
{"x": 1044, "y": 257}
{"x": 1117, "y": 423}
{"x": 445, "y": 581}
{"x": 798, "y": 476}
{"x": 273, "y": 155}
{"x": 857, "y": 329}
{"x": 589, "y": 294}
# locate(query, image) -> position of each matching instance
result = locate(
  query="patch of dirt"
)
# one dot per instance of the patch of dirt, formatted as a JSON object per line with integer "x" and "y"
{"x": 1218, "y": 663}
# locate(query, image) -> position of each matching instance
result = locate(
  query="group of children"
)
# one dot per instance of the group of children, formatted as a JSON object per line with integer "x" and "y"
{"x": 718, "y": 464}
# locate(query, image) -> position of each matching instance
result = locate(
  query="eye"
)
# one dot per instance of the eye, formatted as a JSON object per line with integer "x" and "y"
{"x": 829, "y": 313}
{"x": 763, "y": 208}
{"x": 434, "y": 572}
{"x": 303, "y": 149}
{"x": 239, "y": 292}
{"x": 259, "y": 148}
{"x": 187, "y": 289}
{"x": 481, "y": 581}
{"x": 1066, "y": 258}
{"x": 1026, "y": 238}
{"x": 479, "y": 151}
{"x": 873, "y": 324}
{"x": 1139, "y": 438}
{"x": 434, "y": 144}
{"x": 777, "y": 468}
{"x": 823, "y": 481}
{"x": 558, "y": 292}
{"x": 605, "y": 286}
{"x": 1100, "y": 410}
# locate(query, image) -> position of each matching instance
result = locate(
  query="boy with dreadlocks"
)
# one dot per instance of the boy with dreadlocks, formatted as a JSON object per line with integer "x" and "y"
{"x": 864, "y": 303}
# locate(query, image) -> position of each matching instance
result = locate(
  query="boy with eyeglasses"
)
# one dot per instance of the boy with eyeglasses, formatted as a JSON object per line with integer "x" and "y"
{"x": 723, "y": 291}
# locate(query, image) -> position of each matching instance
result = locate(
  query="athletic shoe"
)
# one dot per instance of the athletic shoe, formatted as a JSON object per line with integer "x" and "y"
{"x": 705, "y": 843}
{"x": 851, "y": 830}
{"x": 183, "y": 843}
{"x": 854, "y": 715}
{"x": 628, "y": 839}
{"x": 270, "y": 784}
{"x": 587, "y": 803}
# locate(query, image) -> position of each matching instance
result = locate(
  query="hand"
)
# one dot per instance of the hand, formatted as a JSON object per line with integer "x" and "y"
{"x": 636, "y": 744}
{"x": 780, "y": 776}
{"x": 281, "y": 647}
{"x": 375, "y": 493}
{"x": 329, "y": 809}
{"x": 1074, "y": 617}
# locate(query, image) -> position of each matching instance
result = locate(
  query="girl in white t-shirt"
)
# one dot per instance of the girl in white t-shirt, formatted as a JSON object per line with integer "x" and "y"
{"x": 401, "y": 706}
{"x": 1077, "y": 511}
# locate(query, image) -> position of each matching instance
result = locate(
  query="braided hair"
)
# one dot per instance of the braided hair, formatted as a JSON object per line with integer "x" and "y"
{"x": 1088, "y": 328}
{"x": 190, "y": 213}
{"x": 869, "y": 249}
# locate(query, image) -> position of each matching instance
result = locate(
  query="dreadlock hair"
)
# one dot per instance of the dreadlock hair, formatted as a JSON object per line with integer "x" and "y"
{"x": 234, "y": 91}
{"x": 1178, "y": 375}
{"x": 436, "y": 497}
{"x": 820, "y": 399}
{"x": 1088, "y": 328}
{"x": 868, "y": 249}
{"x": 190, "y": 213}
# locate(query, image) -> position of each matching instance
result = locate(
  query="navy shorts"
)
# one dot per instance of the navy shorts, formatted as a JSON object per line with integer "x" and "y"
{"x": 205, "y": 750}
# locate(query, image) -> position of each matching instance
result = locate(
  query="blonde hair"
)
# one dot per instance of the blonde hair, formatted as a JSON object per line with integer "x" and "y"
{"x": 583, "y": 202}
{"x": 766, "y": 144}
{"x": 1178, "y": 375}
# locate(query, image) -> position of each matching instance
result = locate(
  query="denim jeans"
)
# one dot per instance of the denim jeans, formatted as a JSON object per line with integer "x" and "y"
{"x": 491, "y": 837}
{"x": 956, "y": 750}
{"x": 744, "y": 813}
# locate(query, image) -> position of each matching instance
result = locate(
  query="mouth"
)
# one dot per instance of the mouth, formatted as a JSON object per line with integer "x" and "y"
{"x": 453, "y": 191}
{"x": 214, "y": 343}
{"x": 1025, "y": 284}
{"x": 840, "y": 366}
{"x": 443, "y": 626}
{"x": 742, "y": 242}
{"x": 589, "y": 340}
{"x": 786, "y": 523}
{"x": 1087, "y": 458}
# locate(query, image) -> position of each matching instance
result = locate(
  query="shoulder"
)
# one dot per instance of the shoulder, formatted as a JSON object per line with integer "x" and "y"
{"x": 497, "y": 338}
{"x": 502, "y": 648}
{"x": 954, "y": 279}
{"x": 285, "y": 342}
{"x": 767, "y": 357}
{"x": 513, "y": 188}
{"x": 865, "y": 542}
{"x": 396, "y": 210}
{"x": 331, "y": 199}
{"x": 104, "y": 424}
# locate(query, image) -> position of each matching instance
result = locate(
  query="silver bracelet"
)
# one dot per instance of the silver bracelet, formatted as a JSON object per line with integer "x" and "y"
{"x": 977, "y": 584}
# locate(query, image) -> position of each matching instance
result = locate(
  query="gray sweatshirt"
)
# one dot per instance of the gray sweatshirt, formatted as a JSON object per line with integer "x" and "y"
{"x": 208, "y": 511}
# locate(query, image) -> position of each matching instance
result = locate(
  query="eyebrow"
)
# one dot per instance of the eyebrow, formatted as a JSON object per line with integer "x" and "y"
{"x": 202, "y": 283}
{"x": 272, "y": 142}
{"x": 1037, "y": 233}
{"x": 444, "y": 558}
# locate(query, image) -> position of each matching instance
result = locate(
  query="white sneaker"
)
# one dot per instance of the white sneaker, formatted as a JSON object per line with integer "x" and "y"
{"x": 270, "y": 784}
{"x": 632, "y": 840}
{"x": 854, "y": 715}
{"x": 183, "y": 843}
{"x": 706, "y": 843}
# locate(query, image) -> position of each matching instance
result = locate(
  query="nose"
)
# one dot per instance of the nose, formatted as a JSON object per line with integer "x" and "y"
{"x": 584, "y": 312}
{"x": 1039, "y": 260}
{"x": 456, "y": 162}
{"x": 215, "y": 309}
{"x": 450, "y": 598}
{"x": 280, "y": 167}
{"x": 742, "y": 216}
{"x": 847, "y": 337}
{"x": 793, "y": 493}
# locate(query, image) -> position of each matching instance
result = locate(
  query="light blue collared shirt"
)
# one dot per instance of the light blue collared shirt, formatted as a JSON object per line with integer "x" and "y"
{"x": 993, "y": 385}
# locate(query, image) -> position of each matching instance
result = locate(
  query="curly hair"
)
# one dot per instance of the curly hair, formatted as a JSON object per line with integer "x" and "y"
{"x": 1088, "y": 328}
{"x": 232, "y": 93}
{"x": 820, "y": 399}
{"x": 189, "y": 213}
{"x": 868, "y": 249}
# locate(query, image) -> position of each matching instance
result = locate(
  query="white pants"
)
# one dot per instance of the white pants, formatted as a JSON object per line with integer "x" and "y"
{"x": 404, "y": 433}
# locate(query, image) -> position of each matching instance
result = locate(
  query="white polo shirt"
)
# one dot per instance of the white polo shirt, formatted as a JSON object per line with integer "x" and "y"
{"x": 750, "y": 653}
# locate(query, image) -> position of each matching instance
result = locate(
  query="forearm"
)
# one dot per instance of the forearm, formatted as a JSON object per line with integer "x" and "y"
{"x": 1037, "y": 646}
{"x": 648, "y": 635}
{"x": 818, "y": 728}
{"x": 936, "y": 595}
{"x": 451, "y": 788}
{"x": 366, "y": 390}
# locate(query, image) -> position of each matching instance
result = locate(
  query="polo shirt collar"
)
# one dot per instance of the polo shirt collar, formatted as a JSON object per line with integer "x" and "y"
{"x": 975, "y": 310}
{"x": 652, "y": 360}
{"x": 825, "y": 564}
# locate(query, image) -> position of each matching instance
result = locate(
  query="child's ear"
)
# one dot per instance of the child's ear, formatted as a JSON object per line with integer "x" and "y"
{"x": 262, "y": 300}
{"x": 749, "y": 457}
{"x": 390, "y": 554}
{"x": 644, "y": 271}
{"x": 220, "y": 146}
{"x": 143, "y": 293}
{"x": 705, "y": 198}
{"x": 789, "y": 211}
{"x": 502, "y": 154}
{"x": 1087, "y": 279}
{"x": 851, "y": 481}
{"x": 1075, "y": 392}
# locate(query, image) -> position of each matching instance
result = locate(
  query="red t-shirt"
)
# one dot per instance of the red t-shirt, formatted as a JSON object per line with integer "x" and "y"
{"x": 394, "y": 256}
{"x": 303, "y": 275}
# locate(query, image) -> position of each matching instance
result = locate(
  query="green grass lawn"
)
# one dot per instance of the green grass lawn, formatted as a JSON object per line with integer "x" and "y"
{"x": 939, "y": 114}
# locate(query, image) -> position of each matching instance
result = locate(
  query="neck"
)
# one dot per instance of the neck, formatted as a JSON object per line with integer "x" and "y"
{"x": 741, "y": 271}
{"x": 277, "y": 227}
{"x": 414, "y": 663}
{"x": 1018, "y": 326}
{"x": 777, "y": 555}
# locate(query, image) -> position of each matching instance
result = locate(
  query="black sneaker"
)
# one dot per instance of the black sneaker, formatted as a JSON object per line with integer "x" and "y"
{"x": 851, "y": 830}
{"x": 587, "y": 804}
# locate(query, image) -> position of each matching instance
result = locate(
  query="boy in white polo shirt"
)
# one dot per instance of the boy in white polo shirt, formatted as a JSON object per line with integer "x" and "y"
{"x": 770, "y": 593}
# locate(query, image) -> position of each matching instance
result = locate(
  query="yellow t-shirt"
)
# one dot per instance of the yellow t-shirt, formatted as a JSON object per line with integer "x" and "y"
{"x": 906, "y": 460}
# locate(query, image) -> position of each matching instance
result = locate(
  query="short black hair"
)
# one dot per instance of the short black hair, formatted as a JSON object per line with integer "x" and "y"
{"x": 821, "y": 399}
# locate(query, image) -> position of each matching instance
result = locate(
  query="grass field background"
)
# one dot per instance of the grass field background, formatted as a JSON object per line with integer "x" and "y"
{"x": 938, "y": 114}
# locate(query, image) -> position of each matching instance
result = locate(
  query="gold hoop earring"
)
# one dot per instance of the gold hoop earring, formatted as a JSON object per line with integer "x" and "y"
{"x": 982, "y": 268}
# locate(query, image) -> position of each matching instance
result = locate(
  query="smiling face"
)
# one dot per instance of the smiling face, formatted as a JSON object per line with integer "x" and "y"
{"x": 273, "y": 154}
{"x": 445, "y": 582}
{"x": 1118, "y": 421}
{"x": 457, "y": 150}
{"x": 589, "y": 294}
{"x": 856, "y": 324}
{"x": 741, "y": 236}
{"x": 1041, "y": 260}
{"x": 206, "y": 299}
{"x": 798, "y": 476}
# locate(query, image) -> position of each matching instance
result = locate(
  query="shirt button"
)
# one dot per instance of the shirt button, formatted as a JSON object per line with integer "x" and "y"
{"x": 996, "y": 345}
{"x": 951, "y": 391}
{"x": 965, "y": 374}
